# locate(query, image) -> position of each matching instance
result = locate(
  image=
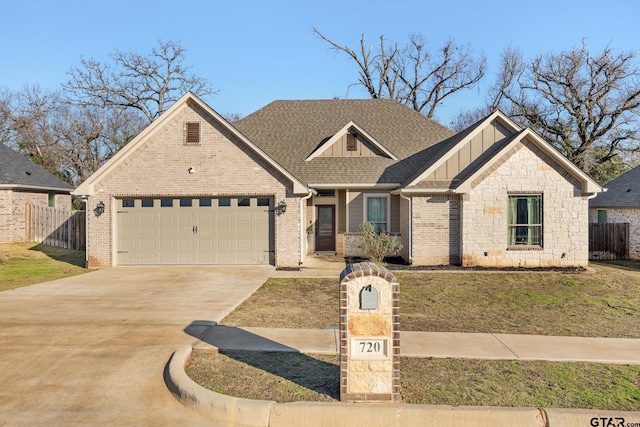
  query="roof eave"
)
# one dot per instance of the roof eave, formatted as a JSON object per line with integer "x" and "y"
{"x": 35, "y": 187}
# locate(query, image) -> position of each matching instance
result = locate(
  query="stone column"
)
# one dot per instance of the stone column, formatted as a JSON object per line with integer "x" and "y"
{"x": 369, "y": 334}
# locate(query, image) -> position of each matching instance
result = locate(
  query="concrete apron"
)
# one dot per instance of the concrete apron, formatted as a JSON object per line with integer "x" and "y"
{"x": 91, "y": 349}
{"x": 232, "y": 411}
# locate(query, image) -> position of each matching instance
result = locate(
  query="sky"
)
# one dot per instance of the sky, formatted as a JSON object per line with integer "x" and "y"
{"x": 254, "y": 52}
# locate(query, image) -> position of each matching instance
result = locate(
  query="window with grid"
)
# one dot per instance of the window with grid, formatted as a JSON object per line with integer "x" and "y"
{"x": 525, "y": 220}
{"x": 377, "y": 212}
{"x": 192, "y": 133}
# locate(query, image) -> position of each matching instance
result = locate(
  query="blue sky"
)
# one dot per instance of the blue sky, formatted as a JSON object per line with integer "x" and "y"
{"x": 257, "y": 51}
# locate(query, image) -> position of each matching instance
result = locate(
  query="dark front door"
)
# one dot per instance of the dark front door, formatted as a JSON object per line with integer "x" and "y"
{"x": 325, "y": 228}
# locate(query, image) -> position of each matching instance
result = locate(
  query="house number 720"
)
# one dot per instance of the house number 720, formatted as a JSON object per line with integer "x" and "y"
{"x": 370, "y": 347}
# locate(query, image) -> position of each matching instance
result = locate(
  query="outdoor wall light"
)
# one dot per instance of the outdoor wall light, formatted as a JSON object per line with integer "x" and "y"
{"x": 281, "y": 208}
{"x": 99, "y": 210}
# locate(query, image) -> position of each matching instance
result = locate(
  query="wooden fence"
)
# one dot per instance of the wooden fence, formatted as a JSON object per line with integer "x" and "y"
{"x": 609, "y": 241}
{"x": 61, "y": 228}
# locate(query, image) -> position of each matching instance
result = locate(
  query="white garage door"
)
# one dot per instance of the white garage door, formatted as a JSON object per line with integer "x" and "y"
{"x": 195, "y": 231}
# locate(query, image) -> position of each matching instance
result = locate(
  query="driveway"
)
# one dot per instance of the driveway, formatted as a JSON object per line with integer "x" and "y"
{"x": 91, "y": 349}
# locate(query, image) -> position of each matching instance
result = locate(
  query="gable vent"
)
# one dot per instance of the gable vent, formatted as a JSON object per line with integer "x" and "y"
{"x": 352, "y": 142}
{"x": 192, "y": 133}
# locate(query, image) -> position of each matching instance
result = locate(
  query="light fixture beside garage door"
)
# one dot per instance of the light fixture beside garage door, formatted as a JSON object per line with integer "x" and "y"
{"x": 281, "y": 208}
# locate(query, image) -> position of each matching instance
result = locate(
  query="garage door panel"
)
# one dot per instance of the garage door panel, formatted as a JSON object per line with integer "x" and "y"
{"x": 222, "y": 233}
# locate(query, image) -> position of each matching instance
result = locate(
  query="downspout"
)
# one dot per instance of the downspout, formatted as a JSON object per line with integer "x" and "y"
{"x": 303, "y": 236}
{"x": 408, "y": 199}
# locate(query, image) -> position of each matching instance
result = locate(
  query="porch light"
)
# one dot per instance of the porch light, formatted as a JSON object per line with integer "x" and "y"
{"x": 99, "y": 210}
{"x": 281, "y": 208}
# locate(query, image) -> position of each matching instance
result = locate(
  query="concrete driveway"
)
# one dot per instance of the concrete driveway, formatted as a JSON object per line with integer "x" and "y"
{"x": 91, "y": 349}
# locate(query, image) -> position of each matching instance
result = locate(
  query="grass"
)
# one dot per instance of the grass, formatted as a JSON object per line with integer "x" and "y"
{"x": 290, "y": 377}
{"x": 24, "y": 264}
{"x": 603, "y": 304}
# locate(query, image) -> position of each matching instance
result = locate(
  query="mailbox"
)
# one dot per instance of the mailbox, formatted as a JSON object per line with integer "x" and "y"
{"x": 368, "y": 298}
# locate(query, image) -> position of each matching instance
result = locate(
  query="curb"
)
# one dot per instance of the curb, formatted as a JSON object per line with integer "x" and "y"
{"x": 234, "y": 411}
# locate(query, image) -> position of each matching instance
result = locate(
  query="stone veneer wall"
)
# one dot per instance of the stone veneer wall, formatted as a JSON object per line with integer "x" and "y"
{"x": 12, "y": 211}
{"x": 630, "y": 215}
{"x": 223, "y": 167}
{"x": 525, "y": 169}
{"x": 348, "y": 304}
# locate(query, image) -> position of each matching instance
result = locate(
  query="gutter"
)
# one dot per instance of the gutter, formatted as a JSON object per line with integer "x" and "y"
{"x": 35, "y": 187}
{"x": 85, "y": 200}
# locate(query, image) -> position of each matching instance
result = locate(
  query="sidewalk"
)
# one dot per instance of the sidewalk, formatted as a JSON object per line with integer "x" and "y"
{"x": 432, "y": 344}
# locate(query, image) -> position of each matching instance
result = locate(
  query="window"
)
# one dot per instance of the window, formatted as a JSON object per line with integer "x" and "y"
{"x": 52, "y": 200}
{"x": 147, "y": 203}
{"x": 186, "y": 203}
{"x": 128, "y": 203}
{"x": 166, "y": 203}
{"x": 224, "y": 202}
{"x": 352, "y": 142}
{"x": 192, "y": 133}
{"x": 204, "y": 202}
{"x": 602, "y": 215}
{"x": 525, "y": 220}
{"x": 326, "y": 193}
{"x": 263, "y": 202}
{"x": 244, "y": 202}
{"x": 377, "y": 211}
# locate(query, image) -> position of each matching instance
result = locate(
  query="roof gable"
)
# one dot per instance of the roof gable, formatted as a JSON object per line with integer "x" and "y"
{"x": 351, "y": 129}
{"x": 17, "y": 171}
{"x": 87, "y": 187}
{"x": 505, "y": 135}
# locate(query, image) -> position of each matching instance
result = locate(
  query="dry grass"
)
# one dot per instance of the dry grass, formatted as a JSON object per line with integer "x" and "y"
{"x": 603, "y": 304}
{"x": 290, "y": 377}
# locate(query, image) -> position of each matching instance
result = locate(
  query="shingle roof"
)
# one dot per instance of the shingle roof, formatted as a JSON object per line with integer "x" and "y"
{"x": 622, "y": 192}
{"x": 288, "y": 131}
{"x": 18, "y": 171}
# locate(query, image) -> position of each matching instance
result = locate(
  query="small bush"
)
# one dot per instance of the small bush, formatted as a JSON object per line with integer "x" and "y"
{"x": 377, "y": 245}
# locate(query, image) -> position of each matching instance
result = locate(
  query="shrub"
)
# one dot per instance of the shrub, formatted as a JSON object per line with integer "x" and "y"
{"x": 377, "y": 245}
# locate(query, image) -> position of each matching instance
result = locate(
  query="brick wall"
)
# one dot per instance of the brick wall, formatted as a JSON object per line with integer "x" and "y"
{"x": 630, "y": 215}
{"x": 565, "y": 213}
{"x": 223, "y": 167}
{"x": 12, "y": 211}
{"x": 436, "y": 230}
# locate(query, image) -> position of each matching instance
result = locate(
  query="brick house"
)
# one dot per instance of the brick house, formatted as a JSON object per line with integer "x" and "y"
{"x": 621, "y": 203}
{"x": 298, "y": 177}
{"x": 22, "y": 182}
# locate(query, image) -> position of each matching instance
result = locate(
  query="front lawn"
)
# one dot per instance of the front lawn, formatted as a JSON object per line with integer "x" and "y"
{"x": 603, "y": 304}
{"x": 24, "y": 264}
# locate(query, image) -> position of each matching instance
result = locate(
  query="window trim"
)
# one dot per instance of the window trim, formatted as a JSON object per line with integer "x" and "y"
{"x": 529, "y": 225}
{"x": 352, "y": 141}
{"x": 386, "y": 196}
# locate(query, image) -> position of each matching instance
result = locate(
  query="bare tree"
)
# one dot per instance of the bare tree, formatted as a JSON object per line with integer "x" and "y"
{"x": 585, "y": 104}
{"x": 148, "y": 84}
{"x": 69, "y": 141}
{"x": 413, "y": 75}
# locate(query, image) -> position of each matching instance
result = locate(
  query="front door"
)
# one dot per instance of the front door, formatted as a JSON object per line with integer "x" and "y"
{"x": 325, "y": 228}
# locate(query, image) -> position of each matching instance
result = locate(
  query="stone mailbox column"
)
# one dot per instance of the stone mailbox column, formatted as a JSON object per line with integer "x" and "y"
{"x": 369, "y": 334}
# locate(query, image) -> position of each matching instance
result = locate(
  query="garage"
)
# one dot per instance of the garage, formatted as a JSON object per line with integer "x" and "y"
{"x": 195, "y": 231}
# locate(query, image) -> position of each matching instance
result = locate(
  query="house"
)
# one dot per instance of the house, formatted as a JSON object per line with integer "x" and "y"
{"x": 621, "y": 203}
{"x": 298, "y": 177}
{"x": 22, "y": 182}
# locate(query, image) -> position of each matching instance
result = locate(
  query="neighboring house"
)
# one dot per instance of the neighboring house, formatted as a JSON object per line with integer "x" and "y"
{"x": 621, "y": 203}
{"x": 22, "y": 182}
{"x": 298, "y": 177}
